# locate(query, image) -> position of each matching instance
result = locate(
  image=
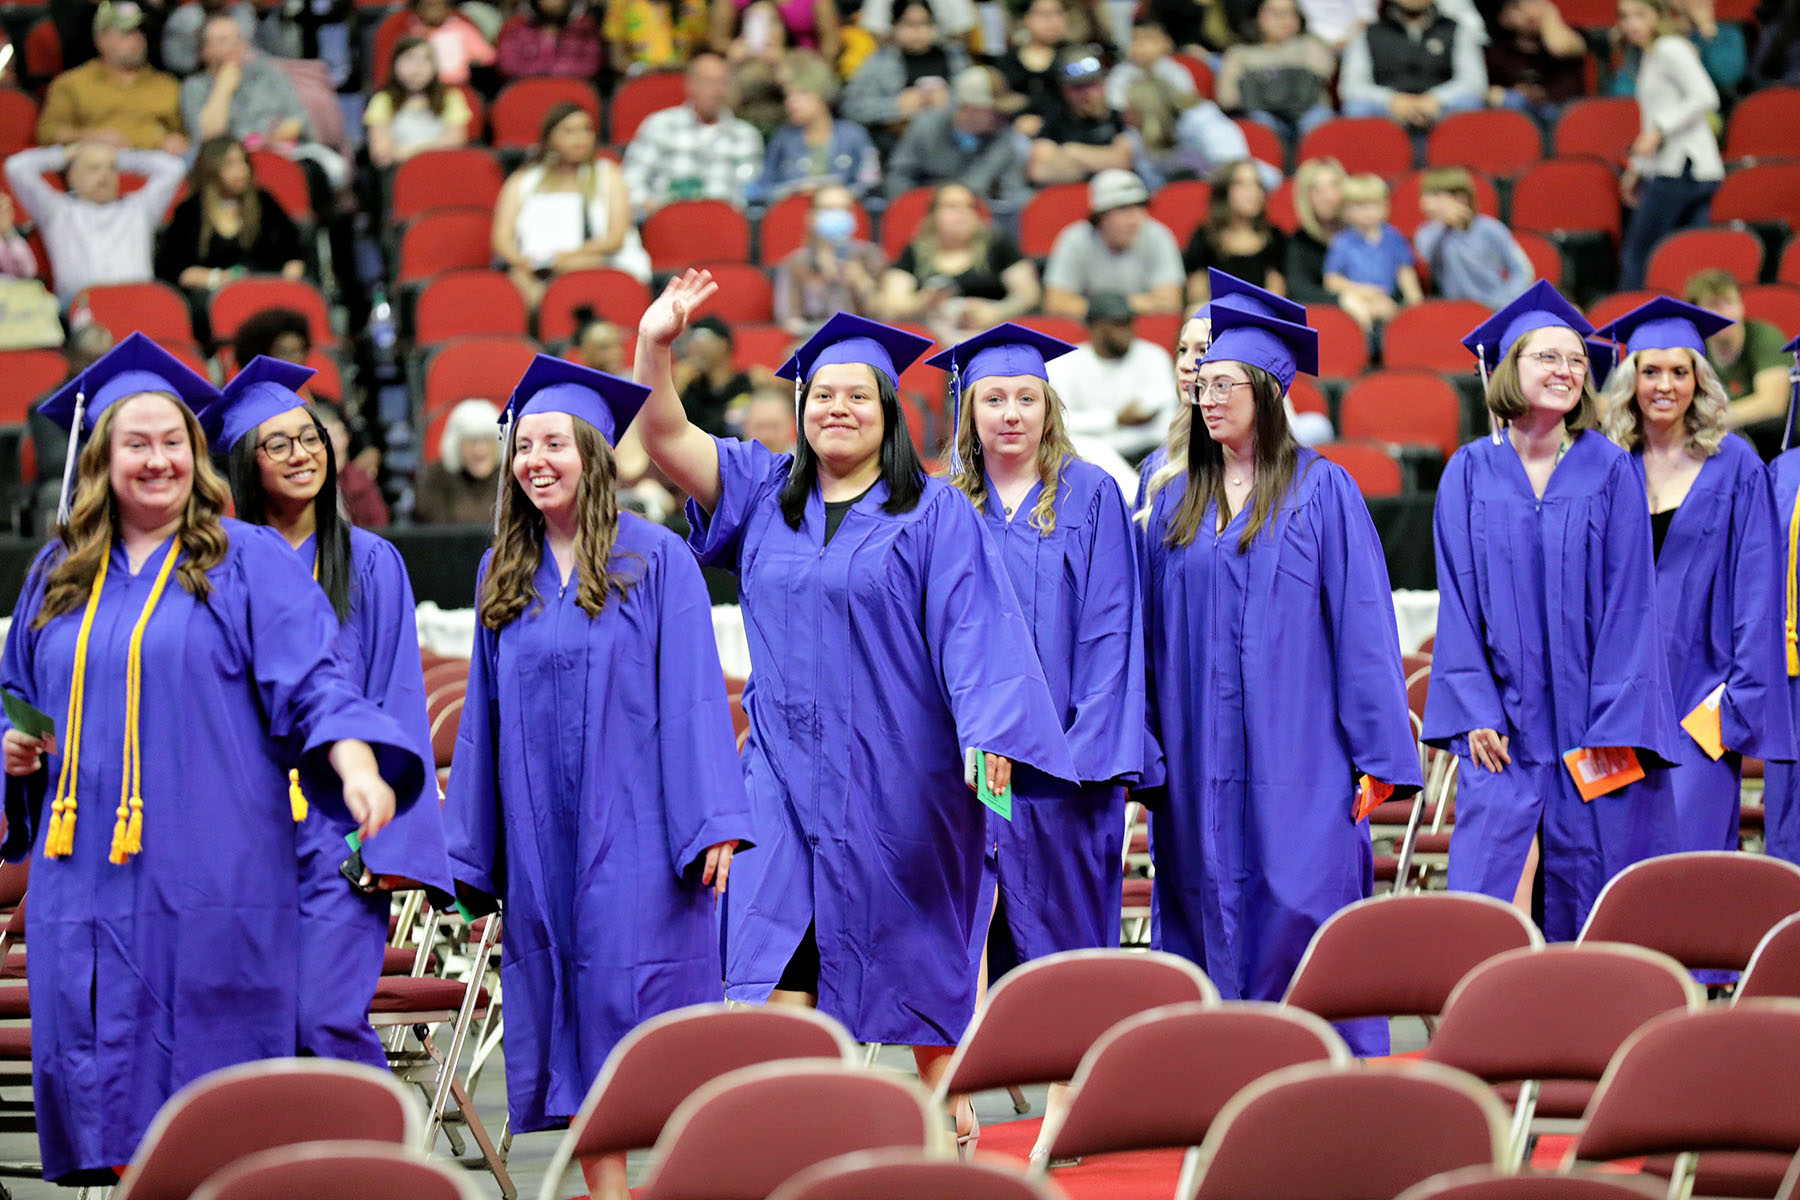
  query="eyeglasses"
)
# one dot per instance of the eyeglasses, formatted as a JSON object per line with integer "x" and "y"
{"x": 1550, "y": 360}
{"x": 279, "y": 445}
{"x": 1218, "y": 391}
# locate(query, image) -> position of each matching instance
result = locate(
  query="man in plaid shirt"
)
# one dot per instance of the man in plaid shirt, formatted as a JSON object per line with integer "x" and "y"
{"x": 698, "y": 151}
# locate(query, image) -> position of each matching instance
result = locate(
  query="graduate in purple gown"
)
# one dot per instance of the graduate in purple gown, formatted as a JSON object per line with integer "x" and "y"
{"x": 186, "y": 660}
{"x": 283, "y": 474}
{"x": 885, "y": 641}
{"x": 1712, "y": 519}
{"x": 1274, "y": 663}
{"x": 595, "y": 789}
{"x": 1548, "y": 639}
{"x": 1781, "y": 780}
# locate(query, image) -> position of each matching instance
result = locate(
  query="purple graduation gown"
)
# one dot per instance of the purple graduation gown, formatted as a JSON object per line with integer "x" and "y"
{"x": 1781, "y": 780}
{"x": 1275, "y": 679}
{"x": 181, "y": 961}
{"x": 1058, "y": 858}
{"x": 1547, "y": 632}
{"x": 1720, "y": 603}
{"x": 594, "y": 766}
{"x": 342, "y": 932}
{"x": 876, "y": 660}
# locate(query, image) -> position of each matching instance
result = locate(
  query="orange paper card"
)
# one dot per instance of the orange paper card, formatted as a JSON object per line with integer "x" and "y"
{"x": 1703, "y": 723}
{"x": 1370, "y": 791}
{"x": 1589, "y": 780}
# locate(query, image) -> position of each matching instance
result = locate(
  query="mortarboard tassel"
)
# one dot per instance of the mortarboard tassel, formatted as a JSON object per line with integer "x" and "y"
{"x": 1481, "y": 365}
{"x": 128, "y": 830}
{"x": 1787, "y": 426}
{"x": 296, "y": 796}
{"x": 955, "y": 415}
{"x": 1793, "y": 593}
{"x": 64, "y": 498}
{"x": 506, "y": 424}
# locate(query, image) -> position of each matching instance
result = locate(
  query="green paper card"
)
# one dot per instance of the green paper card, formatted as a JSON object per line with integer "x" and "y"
{"x": 975, "y": 775}
{"x": 26, "y": 719}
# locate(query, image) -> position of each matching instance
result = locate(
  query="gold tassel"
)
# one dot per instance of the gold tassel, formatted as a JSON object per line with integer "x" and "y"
{"x": 134, "y": 836}
{"x": 121, "y": 830}
{"x": 128, "y": 831}
{"x": 1793, "y": 592}
{"x": 296, "y": 797}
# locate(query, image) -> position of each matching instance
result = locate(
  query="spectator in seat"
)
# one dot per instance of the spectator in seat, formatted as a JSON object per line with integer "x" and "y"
{"x": 1722, "y": 48}
{"x": 1118, "y": 249}
{"x": 1536, "y": 64}
{"x": 709, "y": 382}
{"x": 1282, "y": 79}
{"x": 459, "y": 488}
{"x": 1747, "y": 356}
{"x": 1151, "y": 54}
{"x": 1319, "y": 205}
{"x": 240, "y": 93}
{"x": 1237, "y": 237}
{"x": 1178, "y": 135}
{"x": 1033, "y": 68}
{"x": 655, "y": 35}
{"x": 1117, "y": 388}
{"x": 566, "y": 210}
{"x": 1415, "y": 64}
{"x": 16, "y": 259}
{"x": 548, "y": 37}
{"x": 117, "y": 99}
{"x": 181, "y": 31}
{"x": 769, "y": 419}
{"x": 744, "y": 30}
{"x": 597, "y": 342}
{"x": 815, "y": 148}
{"x": 905, "y": 79}
{"x": 91, "y": 232}
{"x": 967, "y": 141}
{"x": 457, "y": 42}
{"x": 1369, "y": 266}
{"x": 414, "y": 111}
{"x": 697, "y": 150}
{"x": 960, "y": 273}
{"x": 834, "y": 271}
{"x": 1085, "y": 136}
{"x": 1471, "y": 256}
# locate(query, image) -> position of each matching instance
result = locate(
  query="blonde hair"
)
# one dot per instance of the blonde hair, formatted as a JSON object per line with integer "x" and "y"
{"x": 1365, "y": 189}
{"x": 1304, "y": 178}
{"x": 1623, "y": 422}
{"x": 1054, "y": 449}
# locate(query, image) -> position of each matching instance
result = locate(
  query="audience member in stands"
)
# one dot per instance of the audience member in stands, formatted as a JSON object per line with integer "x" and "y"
{"x": 1319, "y": 205}
{"x": 117, "y": 99}
{"x": 655, "y": 35}
{"x": 1712, "y": 524}
{"x": 91, "y": 232}
{"x": 769, "y": 419}
{"x": 548, "y": 37}
{"x": 907, "y": 78}
{"x": 966, "y": 141}
{"x": 181, "y": 30}
{"x": 1117, "y": 388}
{"x": 1120, "y": 248}
{"x": 227, "y": 227}
{"x": 1721, "y": 47}
{"x": 1177, "y": 135}
{"x": 1151, "y": 54}
{"x": 1283, "y": 79}
{"x": 1675, "y": 162}
{"x": 1033, "y": 67}
{"x": 815, "y": 148}
{"x": 597, "y": 343}
{"x": 960, "y": 271}
{"x": 709, "y": 381}
{"x": 16, "y": 259}
{"x": 459, "y": 488}
{"x": 1263, "y": 780}
{"x": 1471, "y": 256}
{"x": 456, "y": 42}
{"x": 565, "y": 210}
{"x": 1748, "y": 359}
{"x": 1202, "y": 28}
{"x": 240, "y": 93}
{"x": 1536, "y": 64}
{"x": 1369, "y": 267}
{"x": 1084, "y": 136}
{"x": 1551, "y": 500}
{"x": 1237, "y": 237}
{"x": 414, "y": 111}
{"x": 866, "y": 907}
{"x": 1338, "y": 22}
{"x": 956, "y": 19}
{"x": 1416, "y": 64}
{"x": 834, "y": 271}
{"x": 747, "y": 30}
{"x": 696, "y": 151}
{"x": 596, "y": 717}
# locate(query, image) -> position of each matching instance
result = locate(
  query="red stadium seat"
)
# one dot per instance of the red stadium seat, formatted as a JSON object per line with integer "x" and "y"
{"x": 1678, "y": 256}
{"x": 1159, "y": 329}
{"x": 1765, "y": 124}
{"x": 154, "y": 309}
{"x": 1776, "y": 303}
{"x": 473, "y": 300}
{"x": 468, "y": 177}
{"x": 1362, "y": 144}
{"x": 1308, "y": 397}
{"x": 1789, "y": 270}
{"x": 694, "y": 231}
{"x": 246, "y": 297}
{"x": 1048, "y": 213}
{"x": 1567, "y": 196}
{"x": 904, "y": 214}
{"x": 783, "y": 228}
{"x": 1066, "y": 328}
{"x": 42, "y": 53}
{"x": 1265, "y": 143}
{"x": 518, "y": 113}
{"x": 761, "y": 345}
{"x": 283, "y": 179}
{"x": 1768, "y": 193}
{"x": 1495, "y": 141}
{"x": 1608, "y": 309}
{"x": 637, "y": 98}
{"x": 1370, "y": 465}
{"x": 1546, "y": 259}
{"x": 1343, "y": 347}
{"x": 443, "y": 239}
{"x": 387, "y": 35}
{"x": 29, "y": 375}
{"x": 1281, "y": 211}
{"x": 613, "y": 295}
{"x": 1403, "y": 407}
{"x": 1403, "y": 203}
{"x": 18, "y": 120}
{"x": 1428, "y": 335}
{"x": 1183, "y": 206}
{"x": 1201, "y": 72}
{"x": 745, "y": 293}
{"x": 1603, "y": 127}
{"x": 1589, "y": 14}
{"x": 484, "y": 367}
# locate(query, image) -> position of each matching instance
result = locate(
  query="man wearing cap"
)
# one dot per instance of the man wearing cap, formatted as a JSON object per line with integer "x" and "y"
{"x": 118, "y": 98}
{"x": 1118, "y": 388}
{"x": 1120, "y": 249}
{"x": 967, "y": 140}
{"x": 1086, "y": 136}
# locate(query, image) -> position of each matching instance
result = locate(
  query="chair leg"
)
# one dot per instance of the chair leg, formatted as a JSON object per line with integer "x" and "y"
{"x": 869, "y": 1053}
{"x": 1020, "y": 1104}
{"x": 1518, "y": 1139}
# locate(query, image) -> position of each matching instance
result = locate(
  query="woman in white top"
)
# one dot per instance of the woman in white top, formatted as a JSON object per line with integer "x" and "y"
{"x": 1675, "y": 162}
{"x": 565, "y": 211}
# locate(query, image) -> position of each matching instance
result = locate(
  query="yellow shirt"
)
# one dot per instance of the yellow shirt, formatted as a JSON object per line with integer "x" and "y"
{"x": 660, "y": 33}
{"x": 144, "y": 108}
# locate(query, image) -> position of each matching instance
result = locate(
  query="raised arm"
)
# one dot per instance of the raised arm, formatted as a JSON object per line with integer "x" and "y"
{"x": 687, "y": 454}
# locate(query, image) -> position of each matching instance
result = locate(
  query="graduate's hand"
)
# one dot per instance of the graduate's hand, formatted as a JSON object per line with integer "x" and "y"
{"x": 1490, "y": 749}
{"x": 1610, "y": 760}
{"x": 25, "y": 755}
{"x": 366, "y": 794}
{"x": 718, "y": 866}
{"x": 999, "y": 773}
{"x": 667, "y": 317}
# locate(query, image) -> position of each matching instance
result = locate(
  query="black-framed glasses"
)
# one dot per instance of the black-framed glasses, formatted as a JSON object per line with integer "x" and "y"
{"x": 279, "y": 445}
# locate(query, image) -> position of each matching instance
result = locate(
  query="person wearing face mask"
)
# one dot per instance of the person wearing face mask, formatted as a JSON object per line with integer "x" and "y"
{"x": 835, "y": 271}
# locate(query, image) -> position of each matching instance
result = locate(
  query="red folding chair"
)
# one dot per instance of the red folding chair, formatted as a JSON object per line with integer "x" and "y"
{"x": 243, "y": 298}
{"x": 1428, "y": 335}
{"x": 1763, "y": 125}
{"x": 1768, "y": 193}
{"x": 1494, "y": 141}
{"x": 695, "y": 231}
{"x": 471, "y": 300}
{"x": 486, "y": 367}
{"x": 1546, "y": 259}
{"x": 466, "y": 177}
{"x": 444, "y": 239}
{"x": 152, "y": 308}
{"x": 1707, "y": 909}
{"x": 1677, "y": 257}
{"x": 783, "y": 228}
{"x": 1376, "y": 145}
{"x": 1774, "y": 968}
{"x": 1602, "y": 128}
{"x": 1403, "y": 406}
{"x": 517, "y": 117}
{"x": 1183, "y": 205}
{"x": 911, "y": 1175}
{"x": 1049, "y": 211}
{"x": 1343, "y": 347}
{"x": 284, "y": 179}
{"x": 640, "y": 96}
{"x": 613, "y": 295}
{"x": 745, "y": 293}
{"x": 1776, "y": 303}
{"x": 338, "y": 1170}
{"x": 1491, "y": 1183}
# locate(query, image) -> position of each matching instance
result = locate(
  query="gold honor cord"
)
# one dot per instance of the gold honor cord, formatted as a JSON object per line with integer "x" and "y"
{"x": 1793, "y": 593}
{"x": 297, "y": 798}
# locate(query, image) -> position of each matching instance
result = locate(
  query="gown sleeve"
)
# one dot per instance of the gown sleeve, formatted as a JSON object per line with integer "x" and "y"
{"x": 1755, "y": 716}
{"x": 1365, "y": 638}
{"x": 749, "y": 474}
{"x": 703, "y": 797}
{"x": 473, "y": 830}
{"x": 1463, "y": 695}
{"x": 1152, "y": 778}
{"x": 25, "y": 793}
{"x": 1107, "y": 676}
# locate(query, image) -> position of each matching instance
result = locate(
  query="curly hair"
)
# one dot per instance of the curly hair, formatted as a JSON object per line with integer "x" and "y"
{"x": 1623, "y": 422}
{"x": 1054, "y": 449}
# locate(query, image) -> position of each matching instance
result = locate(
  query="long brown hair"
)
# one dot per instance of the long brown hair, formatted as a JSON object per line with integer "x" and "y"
{"x": 519, "y": 541}
{"x": 203, "y": 182}
{"x": 1219, "y": 215}
{"x": 925, "y": 245}
{"x": 93, "y": 521}
{"x": 1276, "y": 457}
{"x": 396, "y": 91}
{"x": 1054, "y": 448}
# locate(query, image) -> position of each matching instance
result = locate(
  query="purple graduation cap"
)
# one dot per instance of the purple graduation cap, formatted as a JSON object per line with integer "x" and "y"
{"x": 131, "y": 368}
{"x": 1282, "y": 348}
{"x": 847, "y": 338}
{"x": 266, "y": 387}
{"x": 1539, "y": 306}
{"x": 1243, "y": 295}
{"x": 552, "y": 385}
{"x": 1007, "y": 349}
{"x": 1665, "y": 323}
{"x": 1603, "y": 355}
